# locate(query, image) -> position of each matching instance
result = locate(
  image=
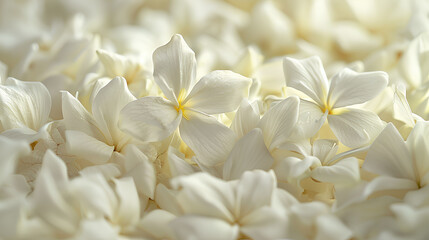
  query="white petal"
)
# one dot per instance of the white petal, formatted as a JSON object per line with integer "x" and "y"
{"x": 384, "y": 184}
{"x": 308, "y": 76}
{"x": 129, "y": 205}
{"x": 156, "y": 223}
{"x": 107, "y": 170}
{"x": 249, "y": 153}
{"x": 254, "y": 190}
{"x": 278, "y": 122}
{"x": 349, "y": 87}
{"x": 49, "y": 203}
{"x": 10, "y": 210}
{"x": 174, "y": 67}
{"x": 355, "y": 127}
{"x": 91, "y": 197}
{"x": 330, "y": 227}
{"x": 150, "y": 119}
{"x": 199, "y": 227}
{"x": 418, "y": 142}
{"x": 325, "y": 149}
{"x": 310, "y": 120}
{"x": 141, "y": 170}
{"x": 166, "y": 199}
{"x": 203, "y": 194}
{"x": 389, "y": 156}
{"x": 344, "y": 172}
{"x": 218, "y": 92}
{"x": 24, "y": 104}
{"x": 106, "y": 108}
{"x": 76, "y": 117}
{"x": 210, "y": 140}
{"x": 87, "y": 147}
{"x": 178, "y": 166}
{"x": 97, "y": 229}
{"x": 265, "y": 223}
{"x": 245, "y": 119}
{"x": 118, "y": 65}
{"x": 11, "y": 151}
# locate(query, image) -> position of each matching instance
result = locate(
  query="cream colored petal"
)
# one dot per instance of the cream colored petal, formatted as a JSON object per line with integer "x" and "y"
{"x": 389, "y": 156}
{"x": 249, "y": 153}
{"x": 355, "y": 127}
{"x": 210, "y": 140}
{"x": 24, "y": 104}
{"x": 200, "y": 227}
{"x": 253, "y": 191}
{"x": 308, "y": 76}
{"x": 49, "y": 202}
{"x": 150, "y": 119}
{"x": 106, "y": 108}
{"x": 76, "y": 117}
{"x": 349, "y": 87}
{"x": 157, "y": 222}
{"x": 311, "y": 118}
{"x": 218, "y": 92}
{"x": 245, "y": 119}
{"x": 141, "y": 170}
{"x": 174, "y": 67}
{"x": 128, "y": 212}
{"x": 84, "y": 146}
{"x": 344, "y": 172}
{"x": 204, "y": 195}
{"x": 278, "y": 122}
{"x": 265, "y": 223}
{"x": 418, "y": 144}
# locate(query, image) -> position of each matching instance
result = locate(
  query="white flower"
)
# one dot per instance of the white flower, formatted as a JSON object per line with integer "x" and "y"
{"x": 401, "y": 165}
{"x": 352, "y": 126}
{"x": 215, "y": 209}
{"x": 155, "y": 118}
{"x": 24, "y": 110}
{"x": 96, "y": 136}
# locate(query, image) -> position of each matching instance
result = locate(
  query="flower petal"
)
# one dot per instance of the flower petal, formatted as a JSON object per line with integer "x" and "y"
{"x": 355, "y": 127}
{"x": 418, "y": 142}
{"x": 254, "y": 190}
{"x": 11, "y": 151}
{"x": 389, "y": 156}
{"x": 174, "y": 67}
{"x": 87, "y": 147}
{"x": 199, "y": 227}
{"x": 278, "y": 122}
{"x": 24, "y": 104}
{"x": 128, "y": 212}
{"x": 141, "y": 170}
{"x": 76, "y": 117}
{"x": 249, "y": 153}
{"x": 210, "y": 140}
{"x": 265, "y": 223}
{"x": 349, "y": 87}
{"x": 49, "y": 203}
{"x": 150, "y": 119}
{"x": 218, "y": 92}
{"x": 344, "y": 172}
{"x": 245, "y": 119}
{"x": 203, "y": 194}
{"x": 308, "y": 76}
{"x": 106, "y": 108}
{"x": 310, "y": 120}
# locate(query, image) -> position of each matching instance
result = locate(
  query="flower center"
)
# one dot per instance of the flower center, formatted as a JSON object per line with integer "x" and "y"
{"x": 181, "y": 106}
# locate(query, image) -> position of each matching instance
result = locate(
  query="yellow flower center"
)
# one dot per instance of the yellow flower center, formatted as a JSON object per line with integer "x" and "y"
{"x": 181, "y": 106}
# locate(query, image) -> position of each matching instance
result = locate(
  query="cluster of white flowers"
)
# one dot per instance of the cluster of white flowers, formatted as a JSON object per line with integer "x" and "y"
{"x": 214, "y": 119}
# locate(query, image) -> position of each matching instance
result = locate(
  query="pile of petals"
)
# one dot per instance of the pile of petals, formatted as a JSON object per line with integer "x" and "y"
{"x": 214, "y": 119}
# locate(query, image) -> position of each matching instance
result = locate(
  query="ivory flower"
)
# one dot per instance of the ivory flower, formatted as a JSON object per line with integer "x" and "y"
{"x": 186, "y": 105}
